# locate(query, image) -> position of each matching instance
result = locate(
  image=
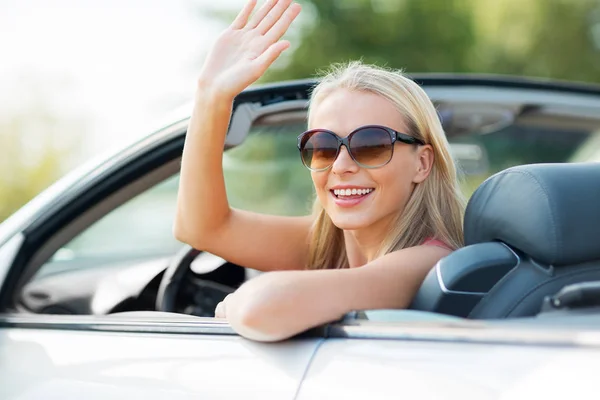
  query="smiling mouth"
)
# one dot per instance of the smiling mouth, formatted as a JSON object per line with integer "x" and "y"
{"x": 351, "y": 193}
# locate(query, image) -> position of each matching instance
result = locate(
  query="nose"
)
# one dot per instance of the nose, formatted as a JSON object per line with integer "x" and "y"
{"x": 344, "y": 163}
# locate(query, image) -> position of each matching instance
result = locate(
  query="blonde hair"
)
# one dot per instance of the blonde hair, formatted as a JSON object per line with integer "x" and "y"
{"x": 435, "y": 207}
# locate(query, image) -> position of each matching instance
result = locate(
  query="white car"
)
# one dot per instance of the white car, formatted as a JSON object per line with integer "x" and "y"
{"x": 98, "y": 301}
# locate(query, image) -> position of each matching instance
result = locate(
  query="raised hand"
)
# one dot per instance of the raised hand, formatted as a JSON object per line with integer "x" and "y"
{"x": 245, "y": 50}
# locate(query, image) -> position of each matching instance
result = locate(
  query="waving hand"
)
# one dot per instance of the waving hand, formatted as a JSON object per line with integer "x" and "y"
{"x": 204, "y": 218}
{"x": 245, "y": 50}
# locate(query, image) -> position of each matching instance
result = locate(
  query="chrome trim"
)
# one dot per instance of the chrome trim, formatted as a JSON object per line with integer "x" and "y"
{"x": 445, "y": 290}
{"x": 162, "y": 323}
{"x": 8, "y": 252}
{"x": 513, "y": 252}
{"x": 183, "y": 325}
{"x": 467, "y": 332}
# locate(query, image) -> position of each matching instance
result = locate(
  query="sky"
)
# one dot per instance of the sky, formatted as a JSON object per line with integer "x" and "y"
{"x": 117, "y": 63}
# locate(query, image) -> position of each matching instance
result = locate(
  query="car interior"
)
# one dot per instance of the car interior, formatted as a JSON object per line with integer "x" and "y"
{"x": 530, "y": 225}
{"x": 529, "y": 232}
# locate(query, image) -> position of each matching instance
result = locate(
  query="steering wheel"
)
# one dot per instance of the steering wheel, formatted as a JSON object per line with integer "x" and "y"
{"x": 177, "y": 275}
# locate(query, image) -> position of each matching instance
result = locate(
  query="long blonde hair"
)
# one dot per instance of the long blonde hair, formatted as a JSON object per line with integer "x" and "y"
{"x": 435, "y": 207}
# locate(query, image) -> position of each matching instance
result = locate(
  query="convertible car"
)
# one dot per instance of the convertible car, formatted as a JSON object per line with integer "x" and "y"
{"x": 98, "y": 300}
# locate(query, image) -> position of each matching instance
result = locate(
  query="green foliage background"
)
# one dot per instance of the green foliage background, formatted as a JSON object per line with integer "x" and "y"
{"x": 554, "y": 39}
{"x": 37, "y": 143}
{"x": 558, "y": 39}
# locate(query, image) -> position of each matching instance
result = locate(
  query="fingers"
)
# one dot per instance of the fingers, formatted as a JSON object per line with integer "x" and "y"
{"x": 282, "y": 25}
{"x": 242, "y": 19}
{"x": 261, "y": 13}
{"x": 272, "y": 53}
{"x": 273, "y": 16}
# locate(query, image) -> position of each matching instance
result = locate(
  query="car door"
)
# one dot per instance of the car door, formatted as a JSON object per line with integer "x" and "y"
{"x": 395, "y": 354}
{"x": 490, "y": 123}
{"x": 68, "y": 357}
{"x": 57, "y": 341}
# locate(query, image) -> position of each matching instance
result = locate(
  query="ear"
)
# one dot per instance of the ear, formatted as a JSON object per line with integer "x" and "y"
{"x": 424, "y": 163}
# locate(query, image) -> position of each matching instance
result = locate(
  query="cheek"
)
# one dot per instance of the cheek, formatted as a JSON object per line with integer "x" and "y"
{"x": 397, "y": 177}
{"x": 319, "y": 181}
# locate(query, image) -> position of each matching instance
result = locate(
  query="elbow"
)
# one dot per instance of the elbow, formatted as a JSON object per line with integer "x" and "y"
{"x": 180, "y": 233}
{"x": 257, "y": 318}
{"x": 255, "y": 322}
{"x": 262, "y": 327}
{"x": 179, "y": 229}
{"x": 273, "y": 321}
{"x": 193, "y": 234}
{"x": 183, "y": 234}
{"x": 199, "y": 233}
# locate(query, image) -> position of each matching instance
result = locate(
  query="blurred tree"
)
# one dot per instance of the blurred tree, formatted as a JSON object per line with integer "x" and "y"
{"x": 556, "y": 39}
{"x": 36, "y": 146}
{"x": 433, "y": 35}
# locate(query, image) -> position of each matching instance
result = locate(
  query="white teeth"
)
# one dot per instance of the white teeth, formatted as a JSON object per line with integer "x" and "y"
{"x": 350, "y": 192}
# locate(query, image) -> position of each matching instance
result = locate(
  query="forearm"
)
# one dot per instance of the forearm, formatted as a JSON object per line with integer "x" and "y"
{"x": 202, "y": 204}
{"x": 240, "y": 55}
{"x": 278, "y": 305}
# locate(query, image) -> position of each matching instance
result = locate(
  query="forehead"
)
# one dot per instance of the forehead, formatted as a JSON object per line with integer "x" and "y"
{"x": 344, "y": 110}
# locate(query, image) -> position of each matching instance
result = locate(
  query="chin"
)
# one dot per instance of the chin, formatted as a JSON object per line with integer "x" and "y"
{"x": 351, "y": 222}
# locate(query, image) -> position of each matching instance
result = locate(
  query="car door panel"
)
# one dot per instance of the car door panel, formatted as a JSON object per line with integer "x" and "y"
{"x": 68, "y": 364}
{"x": 393, "y": 369}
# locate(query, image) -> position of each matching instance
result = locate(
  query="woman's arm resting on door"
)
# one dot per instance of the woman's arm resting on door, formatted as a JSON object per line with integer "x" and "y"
{"x": 277, "y": 305}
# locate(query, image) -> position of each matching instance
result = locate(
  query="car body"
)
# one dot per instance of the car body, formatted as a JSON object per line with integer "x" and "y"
{"x": 81, "y": 267}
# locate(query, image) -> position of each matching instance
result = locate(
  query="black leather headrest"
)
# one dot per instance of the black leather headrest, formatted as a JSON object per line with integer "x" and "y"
{"x": 550, "y": 212}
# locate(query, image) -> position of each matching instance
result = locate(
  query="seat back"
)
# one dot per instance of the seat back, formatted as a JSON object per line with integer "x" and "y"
{"x": 521, "y": 292}
{"x": 529, "y": 231}
{"x": 459, "y": 281}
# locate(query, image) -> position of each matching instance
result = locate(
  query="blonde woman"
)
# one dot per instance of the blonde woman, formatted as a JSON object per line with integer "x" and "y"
{"x": 388, "y": 205}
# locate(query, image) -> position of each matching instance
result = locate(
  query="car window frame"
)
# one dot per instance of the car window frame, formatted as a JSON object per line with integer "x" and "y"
{"x": 246, "y": 115}
{"x": 250, "y": 109}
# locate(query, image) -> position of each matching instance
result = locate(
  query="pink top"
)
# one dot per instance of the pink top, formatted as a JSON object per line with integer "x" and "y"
{"x": 435, "y": 242}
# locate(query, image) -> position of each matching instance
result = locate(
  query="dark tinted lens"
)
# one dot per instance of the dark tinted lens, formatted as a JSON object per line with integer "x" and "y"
{"x": 371, "y": 147}
{"x": 319, "y": 150}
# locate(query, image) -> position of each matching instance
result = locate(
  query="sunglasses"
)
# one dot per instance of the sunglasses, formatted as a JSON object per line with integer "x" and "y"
{"x": 370, "y": 146}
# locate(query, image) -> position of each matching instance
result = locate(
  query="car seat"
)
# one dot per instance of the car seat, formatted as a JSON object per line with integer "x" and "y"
{"x": 529, "y": 231}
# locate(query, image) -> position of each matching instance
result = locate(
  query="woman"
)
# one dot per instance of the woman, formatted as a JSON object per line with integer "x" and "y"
{"x": 387, "y": 195}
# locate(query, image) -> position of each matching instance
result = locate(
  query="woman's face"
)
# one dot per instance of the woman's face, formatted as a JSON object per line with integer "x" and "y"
{"x": 342, "y": 111}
